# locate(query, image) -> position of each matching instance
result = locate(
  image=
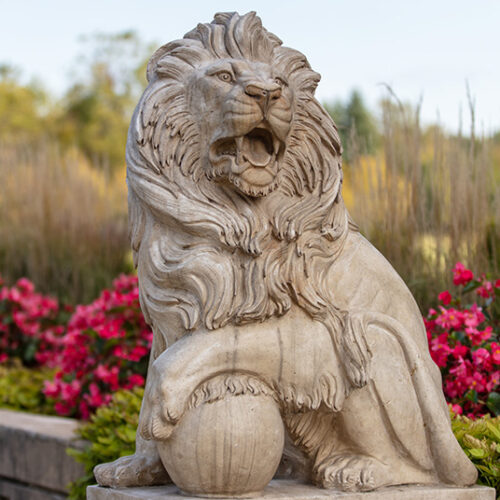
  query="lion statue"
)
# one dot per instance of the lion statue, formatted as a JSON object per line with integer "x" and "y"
{"x": 242, "y": 241}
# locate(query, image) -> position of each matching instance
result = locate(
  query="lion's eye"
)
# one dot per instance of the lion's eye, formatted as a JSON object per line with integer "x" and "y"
{"x": 225, "y": 76}
{"x": 279, "y": 81}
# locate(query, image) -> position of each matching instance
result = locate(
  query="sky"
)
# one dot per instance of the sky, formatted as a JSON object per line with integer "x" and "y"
{"x": 425, "y": 49}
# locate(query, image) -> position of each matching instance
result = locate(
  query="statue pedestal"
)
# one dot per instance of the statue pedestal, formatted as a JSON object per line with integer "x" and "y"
{"x": 289, "y": 489}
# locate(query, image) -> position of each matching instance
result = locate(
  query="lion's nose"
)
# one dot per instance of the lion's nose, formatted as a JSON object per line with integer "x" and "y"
{"x": 263, "y": 92}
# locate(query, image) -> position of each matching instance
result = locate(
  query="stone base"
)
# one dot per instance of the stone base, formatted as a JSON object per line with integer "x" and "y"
{"x": 282, "y": 489}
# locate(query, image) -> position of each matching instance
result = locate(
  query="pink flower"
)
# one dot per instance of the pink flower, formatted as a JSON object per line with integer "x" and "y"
{"x": 495, "y": 353}
{"x": 25, "y": 285}
{"x": 450, "y": 318}
{"x": 457, "y": 409}
{"x": 494, "y": 382}
{"x": 445, "y": 297}
{"x": 83, "y": 408}
{"x": 461, "y": 275}
{"x": 138, "y": 352}
{"x": 482, "y": 358}
{"x": 51, "y": 389}
{"x": 486, "y": 290}
{"x": 62, "y": 408}
{"x": 477, "y": 382}
{"x": 70, "y": 391}
{"x": 95, "y": 398}
{"x": 135, "y": 380}
{"x": 476, "y": 336}
{"x": 440, "y": 350}
{"x": 474, "y": 316}
{"x": 460, "y": 351}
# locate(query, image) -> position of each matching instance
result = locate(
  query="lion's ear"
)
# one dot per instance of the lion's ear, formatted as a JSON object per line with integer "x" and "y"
{"x": 153, "y": 62}
{"x": 175, "y": 59}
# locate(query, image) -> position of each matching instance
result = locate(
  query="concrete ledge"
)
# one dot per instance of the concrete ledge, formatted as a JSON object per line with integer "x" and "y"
{"x": 281, "y": 489}
{"x": 17, "y": 491}
{"x": 33, "y": 453}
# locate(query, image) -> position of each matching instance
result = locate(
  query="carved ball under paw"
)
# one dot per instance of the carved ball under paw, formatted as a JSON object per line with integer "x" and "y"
{"x": 229, "y": 448}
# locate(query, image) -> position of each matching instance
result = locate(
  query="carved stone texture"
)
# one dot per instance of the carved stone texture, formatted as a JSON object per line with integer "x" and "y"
{"x": 288, "y": 490}
{"x": 257, "y": 284}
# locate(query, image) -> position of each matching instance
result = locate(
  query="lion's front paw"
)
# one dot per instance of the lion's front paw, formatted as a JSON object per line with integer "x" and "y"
{"x": 162, "y": 407}
{"x": 349, "y": 472}
{"x": 133, "y": 470}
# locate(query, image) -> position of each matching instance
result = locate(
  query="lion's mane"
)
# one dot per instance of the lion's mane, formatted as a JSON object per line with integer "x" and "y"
{"x": 212, "y": 254}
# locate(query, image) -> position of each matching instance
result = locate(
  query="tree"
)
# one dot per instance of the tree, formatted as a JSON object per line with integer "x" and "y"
{"x": 357, "y": 126}
{"x": 21, "y": 107}
{"x": 97, "y": 109}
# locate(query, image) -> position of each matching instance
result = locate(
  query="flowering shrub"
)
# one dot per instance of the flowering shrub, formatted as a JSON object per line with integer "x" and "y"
{"x": 30, "y": 325}
{"x": 104, "y": 346}
{"x": 463, "y": 334}
{"x": 105, "y": 349}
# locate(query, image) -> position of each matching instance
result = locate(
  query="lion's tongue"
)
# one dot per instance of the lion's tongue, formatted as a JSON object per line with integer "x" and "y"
{"x": 254, "y": 150}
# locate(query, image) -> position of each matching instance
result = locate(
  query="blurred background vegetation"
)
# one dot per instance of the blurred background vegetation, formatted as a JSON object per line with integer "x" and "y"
{"x": 424, "y": 196}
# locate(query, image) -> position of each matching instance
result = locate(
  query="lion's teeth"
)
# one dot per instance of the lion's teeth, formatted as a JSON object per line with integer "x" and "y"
{"x": 239, "y": 147}
{"x": 276, "y": 146}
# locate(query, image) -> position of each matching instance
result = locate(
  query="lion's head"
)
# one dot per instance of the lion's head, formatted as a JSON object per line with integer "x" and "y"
{"x": 234, "y": 173}
{"x": 245, "y": 111}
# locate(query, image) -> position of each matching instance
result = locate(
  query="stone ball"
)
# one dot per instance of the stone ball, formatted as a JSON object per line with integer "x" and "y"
{"x": 228, "y": 448}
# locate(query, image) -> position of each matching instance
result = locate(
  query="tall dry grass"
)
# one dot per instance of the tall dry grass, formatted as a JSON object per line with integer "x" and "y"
{"x": 63, "y": 223}
{"x": 427, "y": 199}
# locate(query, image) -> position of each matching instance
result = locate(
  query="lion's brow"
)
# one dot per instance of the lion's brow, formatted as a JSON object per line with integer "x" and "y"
{"x": 241, "y": 66}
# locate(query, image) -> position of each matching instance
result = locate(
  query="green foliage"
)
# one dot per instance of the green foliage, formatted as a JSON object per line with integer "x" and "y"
{"x": 21, "y": 107}
{"x": 357, "y": 126}
{"x": 110, "y": 433}
{"x": 97, "y": 109}
{"x": 480, "y": 439}
{"x": 21, "y": 389}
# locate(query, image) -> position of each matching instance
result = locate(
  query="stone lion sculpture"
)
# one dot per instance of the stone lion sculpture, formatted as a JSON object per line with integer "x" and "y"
{"x": 249, "y": 265}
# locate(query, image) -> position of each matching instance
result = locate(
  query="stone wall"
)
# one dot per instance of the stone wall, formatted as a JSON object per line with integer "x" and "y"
{"x": 34, "y": 464}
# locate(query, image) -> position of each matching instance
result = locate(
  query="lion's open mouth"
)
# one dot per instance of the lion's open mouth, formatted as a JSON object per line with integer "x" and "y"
{"x": 258, "y": 149}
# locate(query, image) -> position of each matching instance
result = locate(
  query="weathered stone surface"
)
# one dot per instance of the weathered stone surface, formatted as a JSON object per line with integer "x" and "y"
{"x": 259, "y": 285}
{"x": 289, "y": 489}
{"x": 10, "y": 490}
{"x": 33, "y": 451}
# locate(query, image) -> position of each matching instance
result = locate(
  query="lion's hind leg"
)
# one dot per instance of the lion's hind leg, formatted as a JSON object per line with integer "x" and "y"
{"x": 351, "y": 472}
{"x": 383, "y": 431}
{"x": 334, "y": 464}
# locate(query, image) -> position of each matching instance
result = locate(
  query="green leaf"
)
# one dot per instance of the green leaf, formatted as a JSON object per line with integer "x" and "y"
{"x": 493, "y": 403}
{"x": 459, "y": 335}
{"x": 111, "y": 432}
{"x": 477, "y": 452}
{"x": 493, "y": 430}
{"x": 29, "y": 353}
{"x": 471, "y": 396}
{"x": 472, "y": 285}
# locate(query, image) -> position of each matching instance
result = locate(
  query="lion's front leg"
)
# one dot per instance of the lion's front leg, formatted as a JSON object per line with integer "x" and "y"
{"x": 144, "y": 467}
{"x": 194, "y": 359}
{"x": 293, "y": 356}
